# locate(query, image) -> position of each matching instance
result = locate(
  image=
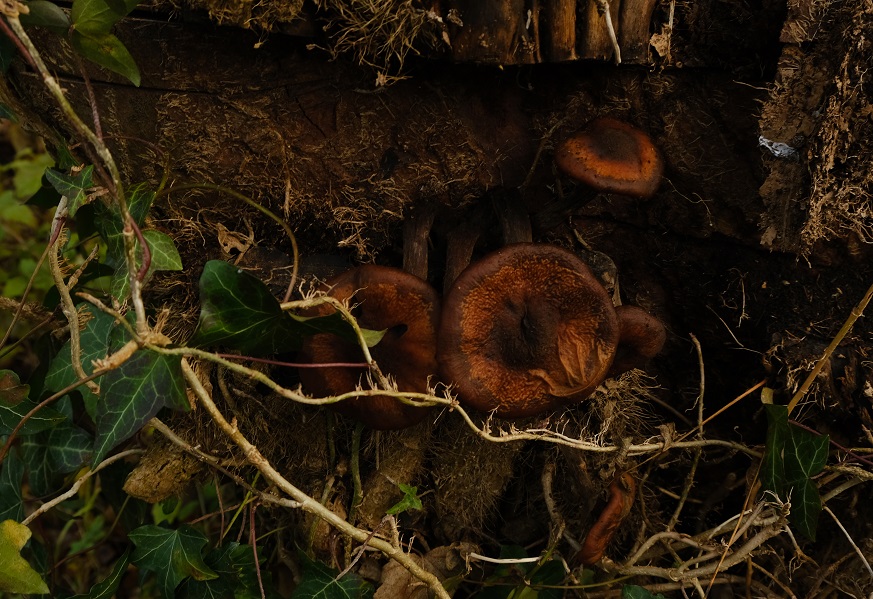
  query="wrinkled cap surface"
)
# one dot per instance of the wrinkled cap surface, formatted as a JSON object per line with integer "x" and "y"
{"x": 526, "y": 329}
{"x": 408, "y": 309}
{"x": 614, "y": 157}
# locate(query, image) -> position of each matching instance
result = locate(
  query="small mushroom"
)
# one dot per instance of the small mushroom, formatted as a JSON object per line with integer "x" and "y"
{"x": 526, "y": 329}
{"x": 642, "y": 337}
{"x": 612, "y": 156}
{"x": 389, "y": 299}
{"x": 621, "y": 498}
{"x": 529, "y": 328}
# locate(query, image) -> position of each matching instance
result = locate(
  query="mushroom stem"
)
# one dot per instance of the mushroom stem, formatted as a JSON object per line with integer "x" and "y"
{"x": 460, "y": 243}
{"x": 514, "y": 219}
{"x": 416, "y": 234}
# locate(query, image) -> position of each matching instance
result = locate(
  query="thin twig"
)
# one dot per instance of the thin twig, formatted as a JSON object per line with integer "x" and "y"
{"x": 70, "y": 312}
{"x": 71, "y": 492}
{"x": 855, "y": 314}
{"x": 54, "y": 237}
{"x": 851, "y": 541}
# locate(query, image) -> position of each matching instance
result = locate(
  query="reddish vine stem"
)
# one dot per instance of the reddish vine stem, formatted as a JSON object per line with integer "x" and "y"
{"x": 294, "y": 364}
{"x": 11, "y": 35}
{"x": 253, "y": 539}
{"x": 849, "y": 453}
{"x": 92, "y": 99}
{"x": 146, "y": 252}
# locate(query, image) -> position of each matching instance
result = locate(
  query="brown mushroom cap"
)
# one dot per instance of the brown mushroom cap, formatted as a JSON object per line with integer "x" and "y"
{"x": 642, "y": 337}
{"x": 612, "y": 156}
{"x": 526, "y": 329}
{"x": 384, "y": 298}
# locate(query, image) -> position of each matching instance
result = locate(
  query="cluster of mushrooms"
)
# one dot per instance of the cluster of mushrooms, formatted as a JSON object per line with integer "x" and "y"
{"x": 523, "y": 331}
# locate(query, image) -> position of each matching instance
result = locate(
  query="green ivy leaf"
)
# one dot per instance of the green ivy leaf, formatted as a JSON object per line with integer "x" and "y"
{"x": 133, "y": 394}
{"x": 16, "y": 575}
{"x": 94, "y": 343}
{"x": 792, "y": 457}
{"x": 630, "y": 591}
{"x": 319, "y": 581}
{"x": 237, "y": 576}
{"x": 53, "y": 453}
{"x": 805, "y": 457}
{"x": 14, "y": 405}
{"x": 237, "y": 310}
{"x": 805, "y": 454}
{"x": 773, "y": 466}
{"x": 46, "y": 418}
{"x": 99, "y": 16}
{"x": 46, "y": 14}
{"x": 75, "y": 187}
{"x": 172, "y": 555}
{"x": 164, "y": 256}
{"x": 107, "y": 588}
{"x": 110, "y": 227}
{"x": 11, "y": 481}
{"x": 106, "y": 50}
{"x": 108, "y": 221}
{"x": 410, "y": 500}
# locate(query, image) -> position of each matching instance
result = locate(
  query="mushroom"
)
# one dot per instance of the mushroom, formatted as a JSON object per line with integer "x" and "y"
{"x": 621, "y": 498}
{"x": 408, "y": 309}
{"x": 529, "y": 328}
{"x": 613, "y": 157}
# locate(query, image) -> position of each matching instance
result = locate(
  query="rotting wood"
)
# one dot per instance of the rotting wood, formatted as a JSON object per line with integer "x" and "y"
{"x": 560, "y": 33}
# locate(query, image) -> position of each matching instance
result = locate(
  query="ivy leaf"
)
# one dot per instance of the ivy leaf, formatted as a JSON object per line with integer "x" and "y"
{"x": 94, "y": 344}
{"x": 805, "y": 454}
{"x": 410, "y": 500}
{"x": 111, "y": 228}
{"x": 320, "y": 582}
{"x": 238, "y": 311}
{"x": 108, "y": 222}
{"x": 99, "y": 16}
{"x": 51, "y": 454}
{"x": 46, "y": 14}
{"x": 805, "y": 457}
{"x": 46, "y": 418}
{"x": 107, "y": 588}
{"x": 630, "y": 591}
{"x": 16, "y": 575}
{"x": 773, "y": 466}
{"x": 11, "y": 481}
{"x": 133, "y": 394}
{"x": 75, "y": 187}
{"x": 172, "y": 555}
{"x": 237, "y": 578}
{"x": 164, "y": 256}
{"x": 792, "y": 457}
{"x": 106, "y": 50}
{"x": 14, "y": 405}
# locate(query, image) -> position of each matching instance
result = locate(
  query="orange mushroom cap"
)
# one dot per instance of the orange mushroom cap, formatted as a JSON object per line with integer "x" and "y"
{"x": 384, "y": 298}
{"x": 526, "y": 329}
{"x": 614, "y": 157}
